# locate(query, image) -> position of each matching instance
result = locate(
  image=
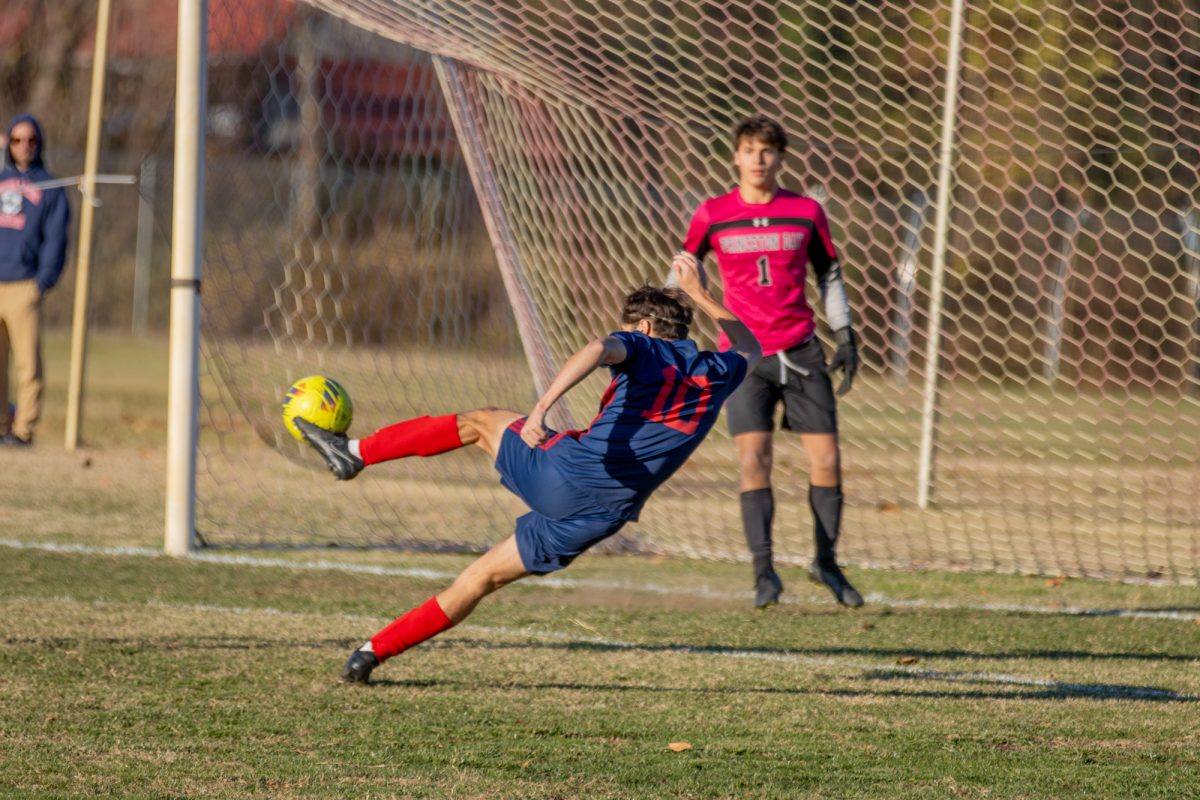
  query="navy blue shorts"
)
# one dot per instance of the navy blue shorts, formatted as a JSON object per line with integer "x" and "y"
{"x": 564, "y": 520}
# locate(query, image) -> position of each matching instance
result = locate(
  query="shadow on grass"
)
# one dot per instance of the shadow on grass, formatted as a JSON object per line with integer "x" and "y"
{"x": 819, "y": 652}
{"x": 1019, "y": 688}
{"x": 1038, "y": 688}
{"x": 1041, "y": 690}
{"x": 250, "y": 643}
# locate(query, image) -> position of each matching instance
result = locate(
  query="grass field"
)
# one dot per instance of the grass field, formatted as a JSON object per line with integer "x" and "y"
{"x": 127, "y": 674}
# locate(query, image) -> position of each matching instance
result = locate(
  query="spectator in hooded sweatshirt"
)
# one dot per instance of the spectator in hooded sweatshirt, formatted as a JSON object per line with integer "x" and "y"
{"x": 33, "y": 246}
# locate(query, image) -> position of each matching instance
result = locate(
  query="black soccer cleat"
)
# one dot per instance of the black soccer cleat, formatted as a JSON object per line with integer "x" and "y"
{"x": 334, "y": 448}
{"x": 358, "y": 667}
{"x": 767, "y": 589}
{"x": 831, "y": 577}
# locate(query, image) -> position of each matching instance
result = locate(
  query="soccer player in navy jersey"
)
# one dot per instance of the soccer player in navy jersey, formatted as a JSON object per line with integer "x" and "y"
{"x": 765, "y": 238}
{"x": 581, "y": 486}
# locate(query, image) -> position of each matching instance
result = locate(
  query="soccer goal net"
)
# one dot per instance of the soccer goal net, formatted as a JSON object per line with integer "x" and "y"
{"x": 437, "y": 202}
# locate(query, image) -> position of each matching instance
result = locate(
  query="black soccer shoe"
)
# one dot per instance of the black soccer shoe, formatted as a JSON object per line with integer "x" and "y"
{"x": 767, "y": 589}
{"x": 830, "y": 576}
{"x": 334, "y": 448}
{"x": 358, "y": 667}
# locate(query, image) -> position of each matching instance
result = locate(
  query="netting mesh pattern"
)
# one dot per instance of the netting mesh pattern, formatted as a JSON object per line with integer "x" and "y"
{"x": 422, "y": 168}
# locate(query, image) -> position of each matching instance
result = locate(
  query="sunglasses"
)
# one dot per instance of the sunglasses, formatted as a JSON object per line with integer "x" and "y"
{"x": 18, "y": 140}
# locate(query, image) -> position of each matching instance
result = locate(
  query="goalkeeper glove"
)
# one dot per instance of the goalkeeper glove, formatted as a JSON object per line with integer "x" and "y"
{"x": 846, "y": 357}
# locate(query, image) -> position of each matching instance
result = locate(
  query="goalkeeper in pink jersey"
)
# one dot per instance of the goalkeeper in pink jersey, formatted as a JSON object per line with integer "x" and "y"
{"x": 764, "y": 239}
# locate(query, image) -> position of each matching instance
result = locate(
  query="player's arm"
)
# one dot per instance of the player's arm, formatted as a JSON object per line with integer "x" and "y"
{"x": 695, "y": 245}
{"x": 823, "y": 258}
{"x": 599, "y": 352}
{"x": 741, "y": 340}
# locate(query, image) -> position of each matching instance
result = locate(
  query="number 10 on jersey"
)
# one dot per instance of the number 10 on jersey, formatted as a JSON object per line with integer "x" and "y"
{"x": 671, "y": 402}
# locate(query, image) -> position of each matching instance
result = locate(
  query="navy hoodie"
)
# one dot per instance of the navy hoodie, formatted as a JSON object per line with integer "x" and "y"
{"x": 33, "y": 222}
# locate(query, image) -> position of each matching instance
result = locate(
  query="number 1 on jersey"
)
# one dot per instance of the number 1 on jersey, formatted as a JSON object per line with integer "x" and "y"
{"x": 764, "y": 270}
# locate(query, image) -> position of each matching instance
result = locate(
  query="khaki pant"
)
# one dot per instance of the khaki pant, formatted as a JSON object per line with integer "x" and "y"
{"x": 21, "y": 329}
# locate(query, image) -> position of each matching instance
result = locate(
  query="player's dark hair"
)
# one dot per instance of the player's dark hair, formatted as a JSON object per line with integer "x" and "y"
{"x": 762, "y": 128}
{"x": 669, "y": 311}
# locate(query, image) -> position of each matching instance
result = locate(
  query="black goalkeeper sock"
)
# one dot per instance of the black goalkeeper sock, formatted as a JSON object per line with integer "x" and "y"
{"x": 758, "y": 511}
{"x": 826, "y": 502}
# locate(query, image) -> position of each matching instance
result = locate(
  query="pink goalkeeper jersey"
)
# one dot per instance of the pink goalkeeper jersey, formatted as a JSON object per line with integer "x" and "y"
{"x": 763, "y": 251}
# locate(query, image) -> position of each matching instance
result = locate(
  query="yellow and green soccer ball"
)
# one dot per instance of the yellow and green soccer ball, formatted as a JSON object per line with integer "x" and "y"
{"x": 320, "y": 400}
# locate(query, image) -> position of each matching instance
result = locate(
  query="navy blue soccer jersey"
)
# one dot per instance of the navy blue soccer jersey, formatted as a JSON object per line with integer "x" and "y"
{"x": 664, "y": 398}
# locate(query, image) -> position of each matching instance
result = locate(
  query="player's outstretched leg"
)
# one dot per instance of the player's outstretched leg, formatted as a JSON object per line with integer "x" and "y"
{"x": 496, "y": 568}
{"x": 423, "y": 622}
{"x": 334, "y": 449}
{"x": 420, "y": 436}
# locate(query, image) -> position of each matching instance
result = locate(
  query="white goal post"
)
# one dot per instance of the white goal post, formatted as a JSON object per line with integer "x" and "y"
{"x": 183, "y": 419}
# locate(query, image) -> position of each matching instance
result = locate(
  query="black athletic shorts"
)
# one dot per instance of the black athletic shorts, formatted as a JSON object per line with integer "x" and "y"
{"x": 800, "y": 380}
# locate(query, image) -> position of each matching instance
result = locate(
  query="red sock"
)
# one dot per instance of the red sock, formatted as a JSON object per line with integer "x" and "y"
{"x": 423, "y": 622}
{"x": 422, "y": 436}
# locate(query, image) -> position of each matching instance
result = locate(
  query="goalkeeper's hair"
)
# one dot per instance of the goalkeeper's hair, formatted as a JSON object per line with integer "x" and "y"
{"x": 669, "y": 311}
{"x": 762, "y": 128}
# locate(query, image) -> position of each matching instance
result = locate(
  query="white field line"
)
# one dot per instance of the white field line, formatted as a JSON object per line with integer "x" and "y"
{"x": 868, "y": 669}
{"x": 699, "y": 591}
